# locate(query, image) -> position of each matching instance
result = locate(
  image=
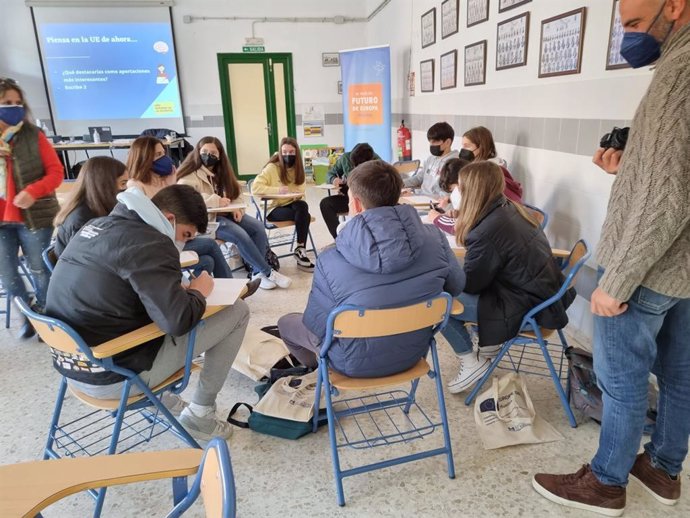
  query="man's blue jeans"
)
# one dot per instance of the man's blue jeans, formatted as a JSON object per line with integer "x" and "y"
{"x": 653, "y": 335}
{"x": 32, "y": 242}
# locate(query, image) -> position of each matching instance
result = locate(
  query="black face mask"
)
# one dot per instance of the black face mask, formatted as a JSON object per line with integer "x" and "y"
{"x": 209, "y": 160}
{"x": 435, "y": 150}
{"x": 289, "y": 160}
{"x": 466, "y": 154}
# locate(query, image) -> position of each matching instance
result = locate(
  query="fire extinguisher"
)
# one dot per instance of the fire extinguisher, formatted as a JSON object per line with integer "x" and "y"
{"x": 404, "y": 143}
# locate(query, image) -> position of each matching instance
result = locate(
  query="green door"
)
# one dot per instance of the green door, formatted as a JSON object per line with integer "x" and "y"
{"x": 258, "y": 107}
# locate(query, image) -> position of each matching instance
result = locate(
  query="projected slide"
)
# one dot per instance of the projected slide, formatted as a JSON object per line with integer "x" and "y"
{"x": 111, "y": 70}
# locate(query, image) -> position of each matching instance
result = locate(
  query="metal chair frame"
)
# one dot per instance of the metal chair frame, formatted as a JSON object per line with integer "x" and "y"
{"x": 382, "y": 403}
{"x": 529, "y": 324}
{"x": 262, "y": 215}
{"x": 87, "y": 435}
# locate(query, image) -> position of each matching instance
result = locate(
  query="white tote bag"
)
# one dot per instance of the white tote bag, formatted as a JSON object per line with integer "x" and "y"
{"x": 291, "y": 397}
{"x": 505, "y": 416}
{"x": 259, "y": 352}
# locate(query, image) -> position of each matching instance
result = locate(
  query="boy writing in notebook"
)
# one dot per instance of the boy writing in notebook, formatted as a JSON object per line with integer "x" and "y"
{"x": 121, "y": 272}
{"x": 384, "y": 256}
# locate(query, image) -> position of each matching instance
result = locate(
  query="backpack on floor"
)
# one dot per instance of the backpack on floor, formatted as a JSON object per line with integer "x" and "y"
{"x": 585, "y": 394}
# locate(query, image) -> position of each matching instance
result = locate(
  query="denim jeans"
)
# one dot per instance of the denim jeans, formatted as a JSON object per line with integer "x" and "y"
{"x": 249, "y": 235}
{"x": 33, "y": 242}
{"x": 456, "y": 332}
{"x": 653, "y": 335}
{"x": 211, "y": 259}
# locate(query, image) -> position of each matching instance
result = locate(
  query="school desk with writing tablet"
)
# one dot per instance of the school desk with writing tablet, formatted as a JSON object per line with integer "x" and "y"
{"x": 326, "y": 187}
{"x": 228, "y": 208}
{"x": 417, "y": 201}
{"x": 188, "y": 258}
{"x": 225, "y": 292}
{"x": 287, "y": 196}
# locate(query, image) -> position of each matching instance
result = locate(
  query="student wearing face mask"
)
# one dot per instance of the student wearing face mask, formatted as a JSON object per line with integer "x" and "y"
{"x": 30, "y": 171}
{"x": 151, "y": 170}
{"x": 93, "y": 196}
{"x": 480, "y": 142}
{"x": 425, "y": 180}
{"x": 208, "y": 170}
{"x": 448, "y": 181}
{"x": 283, "y": 174}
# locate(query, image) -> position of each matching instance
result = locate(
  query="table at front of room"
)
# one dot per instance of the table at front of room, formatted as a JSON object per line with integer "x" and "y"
{"x": 63, "y": 149}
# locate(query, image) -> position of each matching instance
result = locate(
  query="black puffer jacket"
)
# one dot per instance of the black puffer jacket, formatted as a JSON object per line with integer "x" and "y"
{"x": 116, "y": 275}
{"x": 510, "y": 266}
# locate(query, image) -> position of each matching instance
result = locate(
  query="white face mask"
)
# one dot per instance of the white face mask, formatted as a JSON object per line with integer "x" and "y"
{"x": 455, "y": 198}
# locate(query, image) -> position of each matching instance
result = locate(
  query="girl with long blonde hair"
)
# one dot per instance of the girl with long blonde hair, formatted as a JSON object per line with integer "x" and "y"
{"x": 509, "y": 270}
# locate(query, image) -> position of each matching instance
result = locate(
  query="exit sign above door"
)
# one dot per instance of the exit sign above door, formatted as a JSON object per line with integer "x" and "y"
{"x": 253, "y": 48}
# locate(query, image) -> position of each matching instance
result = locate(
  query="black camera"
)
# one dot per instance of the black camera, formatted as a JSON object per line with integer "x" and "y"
{"x": 617, "y": 139}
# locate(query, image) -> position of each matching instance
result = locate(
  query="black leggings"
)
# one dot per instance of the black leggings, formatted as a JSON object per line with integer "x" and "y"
{"x": 331, "y": 206}
{"x": 297, "y": 211}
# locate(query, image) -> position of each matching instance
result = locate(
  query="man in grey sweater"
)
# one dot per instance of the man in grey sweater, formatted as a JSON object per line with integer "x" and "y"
{"x": 642, "y": 303}
{"x": 425, "y": 179}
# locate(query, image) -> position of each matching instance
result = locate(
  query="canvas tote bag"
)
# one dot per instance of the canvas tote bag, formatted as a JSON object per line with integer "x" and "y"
{"x": 259, "y": 352}
{"x": 291, "y": 397}
{"x": 505, "y": 416}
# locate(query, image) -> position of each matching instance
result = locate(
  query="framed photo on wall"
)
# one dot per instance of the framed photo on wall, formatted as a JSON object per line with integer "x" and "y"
{"x": 506, "y": 5}
{"x": 330, "y": 59}
{"x": 429, "y": 27}
{"x": 475, "y": 64}
{"x": 614, "y": 60}
{"x": 477, "y": 11}
{"x": 449, "y": 17}
{"x": 426, "y": 75}
{"x": 561, "y": 44}
{"x": 449, "y": 69}
{"x": 512, "y": 38}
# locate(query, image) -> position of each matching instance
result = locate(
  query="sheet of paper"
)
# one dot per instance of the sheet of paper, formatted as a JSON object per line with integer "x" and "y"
{"x": 225, "y": 292}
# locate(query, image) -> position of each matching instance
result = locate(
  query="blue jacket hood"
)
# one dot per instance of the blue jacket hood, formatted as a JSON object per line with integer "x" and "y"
{"x": 135, "y": 199}
{"x": 383, "y": 240}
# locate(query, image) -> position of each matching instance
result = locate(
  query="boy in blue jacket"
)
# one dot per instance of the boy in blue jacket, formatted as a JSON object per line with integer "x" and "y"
{"x": 384, "y": 257}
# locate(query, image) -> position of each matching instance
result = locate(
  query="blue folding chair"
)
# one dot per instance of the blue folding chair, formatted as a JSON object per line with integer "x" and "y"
{"x": 29, "y": 487}
{"x": 142, "y": 416}
{"x": 538, "y": 214}
{"x": 262, "y": 215}
{"x": 381, "y": 424}
{"x": 531, "y": 333}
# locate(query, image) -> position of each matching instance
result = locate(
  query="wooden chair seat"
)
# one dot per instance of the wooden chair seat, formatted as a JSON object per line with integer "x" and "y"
{"x": 342, "y": 382}
{"x": 285, "y": 224}
{"x": 112, "y": 404}
{"x": 29, "y": 487}
{"x": 546, "y": 333}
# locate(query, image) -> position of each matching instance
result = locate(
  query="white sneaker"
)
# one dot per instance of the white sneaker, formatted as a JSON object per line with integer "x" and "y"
{"x": 205, "y": 427}
{"x": 472, "y": 369}
{"x": 266, "y": 282}
{"x": 280, "y": 280}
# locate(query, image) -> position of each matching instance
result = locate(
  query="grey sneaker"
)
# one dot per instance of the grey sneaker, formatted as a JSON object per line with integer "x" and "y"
{"x": 174, "y": 403}
{"x": 205, "y": 428}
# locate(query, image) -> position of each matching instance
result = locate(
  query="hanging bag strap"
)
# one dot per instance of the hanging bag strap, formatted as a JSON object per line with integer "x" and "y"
{"x": 233, "y": 411}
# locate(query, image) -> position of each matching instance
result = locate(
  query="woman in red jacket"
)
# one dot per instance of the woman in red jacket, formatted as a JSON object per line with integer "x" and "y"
{"x": 30, "y": 171}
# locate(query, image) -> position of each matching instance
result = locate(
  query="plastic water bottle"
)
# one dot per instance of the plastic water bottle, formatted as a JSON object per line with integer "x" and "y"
{"x": 96, "y": 136}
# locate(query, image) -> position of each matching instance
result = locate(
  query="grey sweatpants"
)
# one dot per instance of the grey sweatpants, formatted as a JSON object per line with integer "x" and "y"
{"x": 301, "y": 342}
{"x": 219, "y": 337}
